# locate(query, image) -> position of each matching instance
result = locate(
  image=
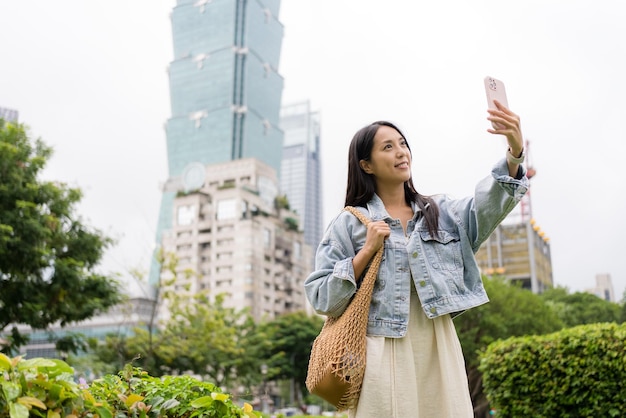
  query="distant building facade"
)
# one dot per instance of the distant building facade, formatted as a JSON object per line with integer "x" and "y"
{"x": 120, "y": 320}
{"x": 520, "y": 252}
{"x": 604, "y": 288}
{"x": 301, "y": 168}
{"x": 235, "y": 239}
{"x": 225, "y": 90}
{"x": 10, "y": 115}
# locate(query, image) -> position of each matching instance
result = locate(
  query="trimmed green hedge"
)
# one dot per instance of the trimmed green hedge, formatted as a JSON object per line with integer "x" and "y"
{"x": 576, "y": 372}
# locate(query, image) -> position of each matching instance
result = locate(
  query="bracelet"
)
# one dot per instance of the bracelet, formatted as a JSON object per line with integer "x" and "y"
{"x": 515, "y": 160}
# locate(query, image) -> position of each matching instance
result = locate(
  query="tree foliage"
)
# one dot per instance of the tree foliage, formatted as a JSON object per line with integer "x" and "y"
{"x": 581, "y": 308}
{"x": 47, "y": 255}
{"x": 512, "y": 311}
{"x": 224, "y": 345}
{"x": 201, "y": 336}
{"x": 210, "y": 339}
{"x": 287, "y": 343}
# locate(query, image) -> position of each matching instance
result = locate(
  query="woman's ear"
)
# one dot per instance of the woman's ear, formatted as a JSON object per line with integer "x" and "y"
{"x": 365, "y": 166}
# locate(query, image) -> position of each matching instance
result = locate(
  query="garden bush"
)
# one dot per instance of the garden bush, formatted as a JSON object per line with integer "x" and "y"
{"x": 41, "y": 387}
{"x": 576, "y": 372}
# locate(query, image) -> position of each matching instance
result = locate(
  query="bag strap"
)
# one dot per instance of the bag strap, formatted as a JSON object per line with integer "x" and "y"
{"x": 364, "y": 219}
{"x": 367, "y": 283}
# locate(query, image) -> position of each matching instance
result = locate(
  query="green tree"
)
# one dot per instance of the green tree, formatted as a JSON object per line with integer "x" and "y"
{"x": 512, "y": 311}
{"x": 117, "y": 350}
{"x": 207, "y": 338}
{"x": 47, "y": 255}
{"x": 580, "y": 308}
{"x": 286, "y": 343}
{"x": 200, "y": 336}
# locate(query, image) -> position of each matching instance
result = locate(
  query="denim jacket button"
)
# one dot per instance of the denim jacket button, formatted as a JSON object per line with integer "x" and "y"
{"x": 433, "y": 310}
{"x": 414, "y": 254}
{"x": 422, "y": 283}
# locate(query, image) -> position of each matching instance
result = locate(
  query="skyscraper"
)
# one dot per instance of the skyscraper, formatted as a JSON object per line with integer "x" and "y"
{"x": 301, "y": 171}
{"x": 225, "y": 92}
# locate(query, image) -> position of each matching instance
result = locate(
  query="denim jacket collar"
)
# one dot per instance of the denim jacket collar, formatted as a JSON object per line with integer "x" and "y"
{"x": 377, "y": 211}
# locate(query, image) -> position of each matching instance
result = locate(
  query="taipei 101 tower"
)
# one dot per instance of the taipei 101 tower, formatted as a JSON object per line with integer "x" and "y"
{"x": 225, "y": 92}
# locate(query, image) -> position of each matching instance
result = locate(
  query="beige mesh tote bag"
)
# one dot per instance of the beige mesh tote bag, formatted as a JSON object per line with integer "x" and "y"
{"x": 337, "y": 361}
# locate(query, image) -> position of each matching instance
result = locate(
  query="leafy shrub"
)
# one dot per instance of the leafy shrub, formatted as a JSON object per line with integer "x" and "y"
{"x": 39, "y": 387}
{"x": 576, "y": 372}
{"x": 46, "y": 388}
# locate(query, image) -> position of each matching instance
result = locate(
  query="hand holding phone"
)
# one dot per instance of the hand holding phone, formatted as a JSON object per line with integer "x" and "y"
{"x": 495, "y": 90}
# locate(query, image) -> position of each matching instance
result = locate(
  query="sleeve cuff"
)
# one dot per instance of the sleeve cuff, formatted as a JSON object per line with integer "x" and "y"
{"x": 515, "y": 186}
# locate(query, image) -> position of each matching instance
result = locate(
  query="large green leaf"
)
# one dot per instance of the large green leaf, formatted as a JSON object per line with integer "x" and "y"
{"x": 17, "y": 410}
{"x": 11, "y": 390}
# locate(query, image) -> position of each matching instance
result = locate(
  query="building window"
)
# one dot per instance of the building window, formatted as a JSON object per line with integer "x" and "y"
{"x": 267, "y": 238}
{"x": 225, "y": 242}
{"x": 226, "y": 209}
{"x": 185, "y": 214}
{"x": 228, "y": 184}
{"x": 226, "y": 228}
{"x": 244, "y": 209}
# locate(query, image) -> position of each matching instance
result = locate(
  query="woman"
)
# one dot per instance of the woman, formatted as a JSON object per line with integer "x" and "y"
{"x": 415, "y": 365}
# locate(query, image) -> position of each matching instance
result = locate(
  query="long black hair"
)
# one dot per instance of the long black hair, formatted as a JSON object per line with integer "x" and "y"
{"x": 362, "y": 186}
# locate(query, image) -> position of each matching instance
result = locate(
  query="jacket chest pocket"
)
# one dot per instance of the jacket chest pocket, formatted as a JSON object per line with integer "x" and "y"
{"x": 443, "y": 251}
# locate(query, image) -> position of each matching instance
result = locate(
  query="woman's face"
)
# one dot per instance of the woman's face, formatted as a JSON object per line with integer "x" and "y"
{"x": 390, "y": 159}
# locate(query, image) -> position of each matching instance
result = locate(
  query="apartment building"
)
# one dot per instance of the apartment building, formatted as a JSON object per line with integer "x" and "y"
{"x": 233, "y": 235}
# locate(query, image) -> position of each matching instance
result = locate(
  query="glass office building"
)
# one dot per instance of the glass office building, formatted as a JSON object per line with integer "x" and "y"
{"x": 225, "y": 92}
{"x": 301, "y": 170}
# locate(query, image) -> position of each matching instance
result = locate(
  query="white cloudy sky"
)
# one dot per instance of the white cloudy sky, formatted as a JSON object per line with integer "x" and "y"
{"x": 90, "y": 79}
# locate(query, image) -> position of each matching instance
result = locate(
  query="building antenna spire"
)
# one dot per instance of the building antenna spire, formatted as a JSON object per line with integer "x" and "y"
{"x": 525, "y": 204}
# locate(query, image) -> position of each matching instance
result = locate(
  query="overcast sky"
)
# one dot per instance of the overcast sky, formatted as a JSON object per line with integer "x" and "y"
{"x": 90, "y": 79}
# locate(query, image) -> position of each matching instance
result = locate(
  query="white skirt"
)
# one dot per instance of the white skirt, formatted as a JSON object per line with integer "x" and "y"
{"x": 421, "y": 375}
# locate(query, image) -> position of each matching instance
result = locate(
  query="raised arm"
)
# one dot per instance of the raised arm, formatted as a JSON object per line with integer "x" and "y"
{"x": 507, "y": 123}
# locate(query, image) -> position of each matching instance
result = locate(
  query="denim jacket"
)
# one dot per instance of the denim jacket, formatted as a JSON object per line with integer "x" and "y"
{"x": 443, "y": 267}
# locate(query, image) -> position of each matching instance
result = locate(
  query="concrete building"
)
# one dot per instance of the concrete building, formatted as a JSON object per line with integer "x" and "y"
{"x": 225, "y": 90}
{"x": 120, "y": 320}
{"x": 519, "y": 251}
{"x": 234, "y": 237}
{"x": 604, "y": 288}
{"x": 301, "y": 168}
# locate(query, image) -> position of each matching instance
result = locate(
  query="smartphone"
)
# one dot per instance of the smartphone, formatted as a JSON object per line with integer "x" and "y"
{"x": 495, "y": 90}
